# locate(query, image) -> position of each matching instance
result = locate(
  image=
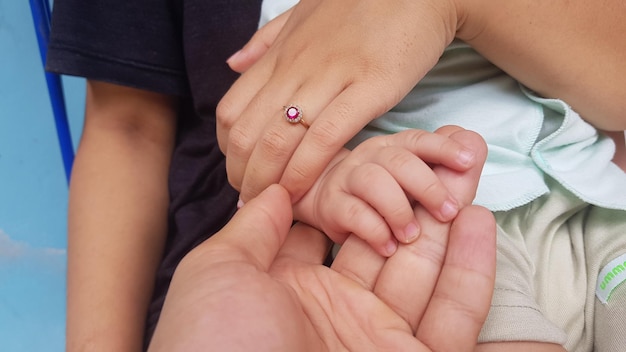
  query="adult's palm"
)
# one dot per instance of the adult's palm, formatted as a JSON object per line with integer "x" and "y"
{"x": 252, "y": 287}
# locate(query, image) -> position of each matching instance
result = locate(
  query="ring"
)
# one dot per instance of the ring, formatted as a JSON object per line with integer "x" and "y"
{"x": 293, "y": 114}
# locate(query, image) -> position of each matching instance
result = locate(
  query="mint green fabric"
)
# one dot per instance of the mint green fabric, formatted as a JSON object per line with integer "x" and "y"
{"x": 527, "y": 136}
{"x": 557, "y": 197}
{"x": 579, "y": 157}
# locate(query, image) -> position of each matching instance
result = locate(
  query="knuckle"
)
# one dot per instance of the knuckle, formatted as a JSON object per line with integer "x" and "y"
{"x": 397, "y": 160}
{"x": 372, "y": 144}
{"x": 234, "y": 181}
{"x": 249, "y": 191}
{"x": 469, "y": 311}
{"x": 367, "y": 174}
{"x": 414, "y": 137}
{"x": 352, "y": 212}
{"x": 275, "y": 145}
{"x": 325, "y": 132}
{"x": 377, "y": 234}
{"x": 298, "y": 178}
{"x": 447, "y": 130}
{"x": 434, "y": 189}
{"x": 226, "y": 113}
{"x": 430, "y": 250}
{"x": 300, "y": 171}
{"x": 240, "y": 142}
{"x": 400, "y": 211}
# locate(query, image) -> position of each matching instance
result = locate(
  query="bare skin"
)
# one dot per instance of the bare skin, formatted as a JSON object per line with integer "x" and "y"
{"x": 117, "y": 216}
{"x": 620, "y": 148}
{"x": 253, "y": 287}
{"x": 370, "y": 191}
{"x": 349, "y": 64}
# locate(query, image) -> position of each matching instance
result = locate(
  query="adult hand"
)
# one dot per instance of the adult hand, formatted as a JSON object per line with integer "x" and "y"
{"x": 255, "y": 287}
{"x": 427, "y": 253}
{"x": 347, "y": 62}
{"x": 344, "y": 63}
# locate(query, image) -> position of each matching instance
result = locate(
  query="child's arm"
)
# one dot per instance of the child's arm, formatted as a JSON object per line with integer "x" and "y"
{"x": 371, "y": 190}
{"x": 117, "y": 216}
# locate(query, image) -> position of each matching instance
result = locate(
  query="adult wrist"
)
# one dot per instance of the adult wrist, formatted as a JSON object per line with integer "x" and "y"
{"x": 471, "y": 23}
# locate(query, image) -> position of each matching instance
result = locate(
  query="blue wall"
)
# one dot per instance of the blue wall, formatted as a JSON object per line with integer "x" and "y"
{"x": 33, "y": 191}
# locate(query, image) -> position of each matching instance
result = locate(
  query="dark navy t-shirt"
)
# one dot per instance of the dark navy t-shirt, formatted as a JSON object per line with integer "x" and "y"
{"x": 176, "y": 47}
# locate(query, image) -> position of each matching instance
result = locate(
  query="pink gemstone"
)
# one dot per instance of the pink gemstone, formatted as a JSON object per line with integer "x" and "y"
{"x": 292, "y": 113}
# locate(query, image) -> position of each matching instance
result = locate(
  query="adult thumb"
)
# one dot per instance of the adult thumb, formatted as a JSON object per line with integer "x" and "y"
{"x": 260, "y": 227}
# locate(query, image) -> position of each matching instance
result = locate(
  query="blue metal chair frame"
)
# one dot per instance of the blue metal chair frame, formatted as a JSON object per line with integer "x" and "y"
{"x": 41, "y": 17}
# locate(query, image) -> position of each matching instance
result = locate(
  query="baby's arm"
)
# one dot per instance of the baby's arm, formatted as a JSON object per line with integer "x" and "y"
{"x": 117, "y": 216}
{"x": 371, "y": 190}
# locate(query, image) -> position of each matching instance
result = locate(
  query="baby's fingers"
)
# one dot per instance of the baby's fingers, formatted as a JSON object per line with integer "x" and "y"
{"x": 419, "y": 181}
{"x": 353, "y": 215}
{"x": 374, "y": 185}
{"x": 435, "y": 148}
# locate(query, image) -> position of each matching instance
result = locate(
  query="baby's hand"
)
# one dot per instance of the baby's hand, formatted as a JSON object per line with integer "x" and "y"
{"x": 371, "y": 190}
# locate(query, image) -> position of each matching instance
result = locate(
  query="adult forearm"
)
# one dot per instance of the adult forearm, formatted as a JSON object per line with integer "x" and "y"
{"x": 573, "y": 50}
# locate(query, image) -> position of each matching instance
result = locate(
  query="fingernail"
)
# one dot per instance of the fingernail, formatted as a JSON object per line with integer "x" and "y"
{"x": 240, "y": 204}
{"x": 411, "y": 232}
{"x": 449, "y": 209}
{"x": 233, "y": 56}
{"x": 466, "y": 157}
{"x": 390, "y": 248}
